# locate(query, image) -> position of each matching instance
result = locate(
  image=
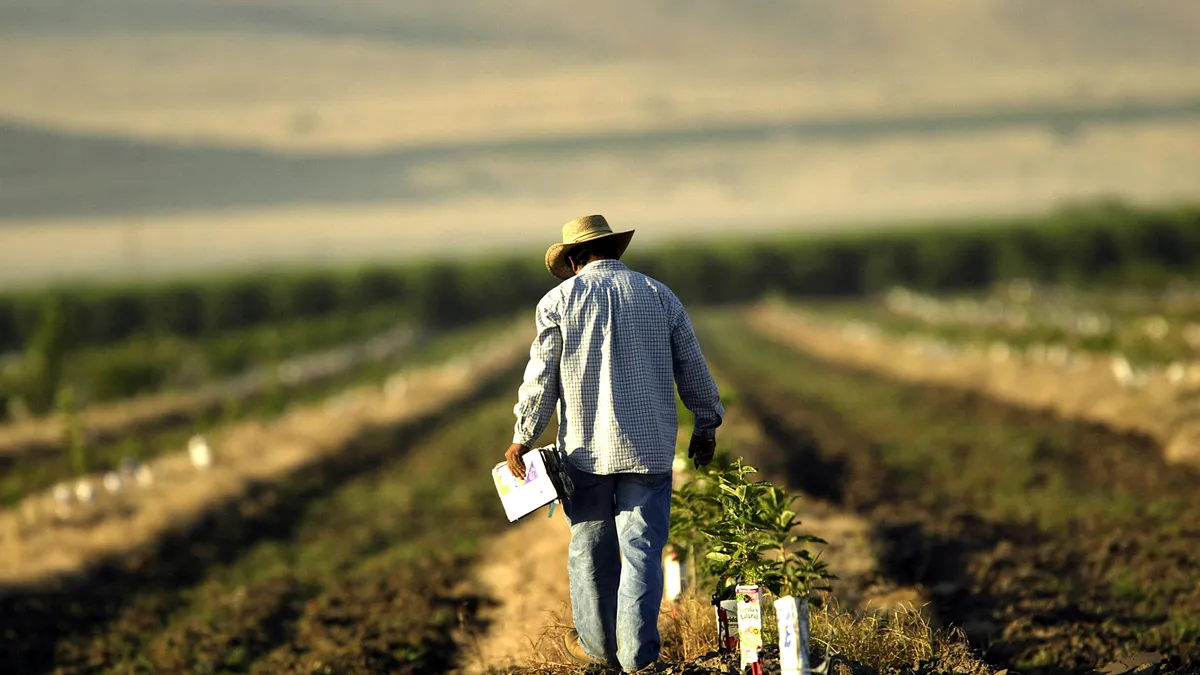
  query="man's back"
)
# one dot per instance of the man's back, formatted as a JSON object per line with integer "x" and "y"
{"x": 622, "y": 341}
{"x": 610, "y": 343}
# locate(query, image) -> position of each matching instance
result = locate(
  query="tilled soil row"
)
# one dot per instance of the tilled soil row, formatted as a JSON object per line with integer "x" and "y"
{"x": 248, "y": 454}
{"x": 108, "y": 422}
{"x": 351, "y": 565}
{"x": 1055, "y": 545}
{"x": 1090, "y": 392}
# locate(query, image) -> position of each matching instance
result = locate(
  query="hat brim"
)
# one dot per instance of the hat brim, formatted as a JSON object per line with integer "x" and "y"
{"x": 556, "y": 255}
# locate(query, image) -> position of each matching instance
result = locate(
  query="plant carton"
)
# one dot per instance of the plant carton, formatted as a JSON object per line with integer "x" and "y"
{"x": 749, "y": 613}
{"x": 792, "y": 615}
{"x": 727, "y": 624}
{"x": 672, "y": 575}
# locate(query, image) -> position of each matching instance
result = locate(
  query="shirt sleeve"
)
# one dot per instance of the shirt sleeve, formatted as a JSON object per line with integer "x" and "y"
{"x": 696, "y": 386}
{"x": 538, "y": 394}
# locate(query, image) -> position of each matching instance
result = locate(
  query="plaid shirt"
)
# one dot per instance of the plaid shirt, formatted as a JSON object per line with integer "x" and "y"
{"x": 611, "y": 345}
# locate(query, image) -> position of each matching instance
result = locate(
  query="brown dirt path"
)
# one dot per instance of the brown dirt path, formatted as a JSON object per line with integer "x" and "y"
{"x": 525, "y": 571}
{"x": 851, "y": 551}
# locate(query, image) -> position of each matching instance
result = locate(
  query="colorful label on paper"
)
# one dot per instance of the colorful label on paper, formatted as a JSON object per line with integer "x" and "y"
{"x": 749, "y": 614}
{"x": 521, "y": 497}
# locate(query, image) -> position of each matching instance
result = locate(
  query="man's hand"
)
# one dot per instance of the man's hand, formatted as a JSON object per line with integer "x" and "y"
{"x": 515, "y": 463}
{"x": 701, "y": 450}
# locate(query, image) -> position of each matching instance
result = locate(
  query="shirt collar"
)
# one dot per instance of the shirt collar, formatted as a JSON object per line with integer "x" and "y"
{"x": 601, "y": 265}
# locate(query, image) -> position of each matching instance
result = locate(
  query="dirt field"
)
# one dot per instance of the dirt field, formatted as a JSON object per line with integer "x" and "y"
{"x": 1057, "y": 546}
{"x": 248, "y": 454}
{"x": 1164, "y": 411}
{"x": 347, "y": 569}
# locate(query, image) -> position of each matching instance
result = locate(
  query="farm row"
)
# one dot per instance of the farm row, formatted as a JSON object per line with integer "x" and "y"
{"x": 1108, "y": 243}
{"x": 354, "y": 565}
{"x": 95, "y": 519}
{"x": 207, "y": 307}
{"x": 1056, "y": 545}
{"x": 345, "y": 566}
{"x": 40, "y": 453}
{"x": 1104, "y": 386}
{"x": 1146, "y": 329}
{"x": 35, "y": 382}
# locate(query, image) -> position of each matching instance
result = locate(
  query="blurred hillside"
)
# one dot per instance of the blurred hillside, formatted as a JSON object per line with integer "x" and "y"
{"x": 145, "y": 138}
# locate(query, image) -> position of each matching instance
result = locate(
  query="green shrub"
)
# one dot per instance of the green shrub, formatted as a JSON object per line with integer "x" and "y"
{"x": 888, "y": 262}
{"x": 376, "y": 286}
{"x": 130, "y": 373}
{"x": 740, "y": 531}
{"x": 76, "y": 442}
{"x": 437, "y": 297}
{"x": 45, "y": 357}
{"x": 313, "y": 294}
{"x": 176, "y": 310}
{"x": 237, "y": 303}
{"x": 11, "y": 338}
{"x": 1108, "y": 243}
{"x": 116, "y": 315}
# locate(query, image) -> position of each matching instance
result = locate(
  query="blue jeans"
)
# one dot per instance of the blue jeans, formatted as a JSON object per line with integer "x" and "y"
{"x": 615, "y": 605}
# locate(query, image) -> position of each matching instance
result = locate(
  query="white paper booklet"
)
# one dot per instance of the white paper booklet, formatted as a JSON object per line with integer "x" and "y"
{"x": 545, "y": 481}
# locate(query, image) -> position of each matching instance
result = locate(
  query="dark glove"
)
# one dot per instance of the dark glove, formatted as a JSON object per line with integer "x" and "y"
{"x": 702, "y": 449}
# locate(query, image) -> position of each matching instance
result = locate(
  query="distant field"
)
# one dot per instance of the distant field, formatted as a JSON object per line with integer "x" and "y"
{"x": 365, "y": 74}
{"x": 517, "y": 202}
{"x": 142, "y": 139}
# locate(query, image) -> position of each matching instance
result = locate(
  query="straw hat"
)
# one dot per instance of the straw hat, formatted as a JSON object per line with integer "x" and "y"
{"x": 588, "y": 228}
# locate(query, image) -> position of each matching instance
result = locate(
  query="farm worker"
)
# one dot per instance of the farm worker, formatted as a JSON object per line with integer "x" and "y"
{"x": 611, "y": 346}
